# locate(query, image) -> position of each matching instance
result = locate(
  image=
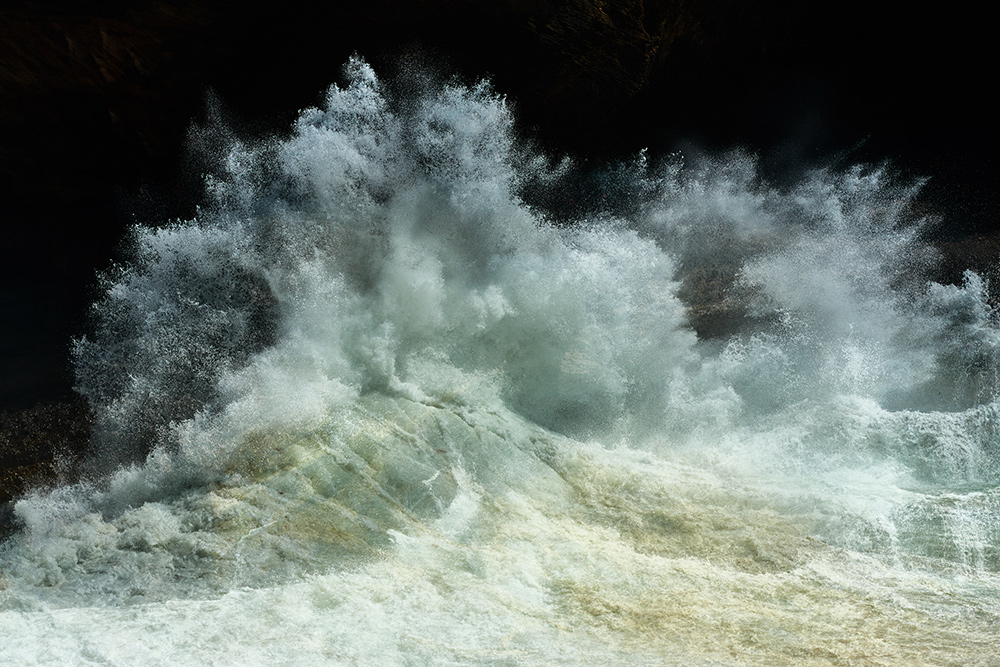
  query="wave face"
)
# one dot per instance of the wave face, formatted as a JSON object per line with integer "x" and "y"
{"x": 407, "y": 391}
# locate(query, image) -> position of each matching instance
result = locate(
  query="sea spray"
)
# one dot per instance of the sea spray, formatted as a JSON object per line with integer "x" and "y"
{"x": 396, "y": 392}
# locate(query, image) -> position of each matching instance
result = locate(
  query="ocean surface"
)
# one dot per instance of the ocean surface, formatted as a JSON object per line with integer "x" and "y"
{"x": 407, "y": 391}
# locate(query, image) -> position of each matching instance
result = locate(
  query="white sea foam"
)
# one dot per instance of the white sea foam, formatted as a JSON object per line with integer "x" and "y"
{"x": 388, "y": 400}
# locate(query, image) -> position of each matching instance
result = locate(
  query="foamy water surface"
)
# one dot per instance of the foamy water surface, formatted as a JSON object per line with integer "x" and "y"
{"x": 376, "y": 404}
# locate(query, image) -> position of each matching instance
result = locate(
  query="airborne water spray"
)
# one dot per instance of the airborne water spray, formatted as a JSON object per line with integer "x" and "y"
{"x": 386, "y": 394}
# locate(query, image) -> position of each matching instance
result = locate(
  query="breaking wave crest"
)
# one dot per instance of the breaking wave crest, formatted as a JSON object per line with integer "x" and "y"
{"x": 403, "y": 330}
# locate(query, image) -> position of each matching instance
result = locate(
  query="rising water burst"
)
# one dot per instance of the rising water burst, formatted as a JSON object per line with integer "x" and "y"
{"x": 408, "y": 391}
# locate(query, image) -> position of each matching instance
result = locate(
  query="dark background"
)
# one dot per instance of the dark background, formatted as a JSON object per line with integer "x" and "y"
{"x": 96, "y": 100}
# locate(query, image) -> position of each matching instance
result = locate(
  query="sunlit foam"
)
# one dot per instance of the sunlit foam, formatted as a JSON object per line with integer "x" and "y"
{"x": 389, "y": 392}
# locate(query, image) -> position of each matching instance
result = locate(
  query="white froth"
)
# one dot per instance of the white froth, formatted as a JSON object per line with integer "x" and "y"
{"x": 374, "y": 406}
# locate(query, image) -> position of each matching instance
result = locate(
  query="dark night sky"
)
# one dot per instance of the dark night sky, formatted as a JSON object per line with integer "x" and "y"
{"x": 800, "y": 86}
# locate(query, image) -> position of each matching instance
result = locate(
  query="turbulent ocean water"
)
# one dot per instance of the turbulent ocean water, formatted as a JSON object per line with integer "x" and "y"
{"x": 407, "y": 391}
